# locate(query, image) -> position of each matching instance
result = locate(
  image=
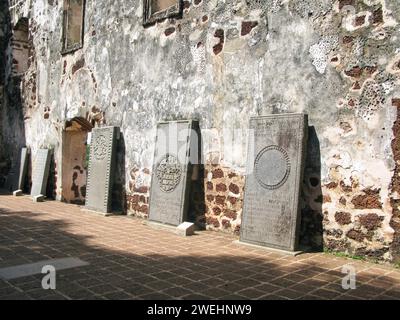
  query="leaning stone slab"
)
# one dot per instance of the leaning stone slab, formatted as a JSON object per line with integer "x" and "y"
{"x": 276, "y": 155}
{"x": 185, "y": 229}
{"x": 176, "y": 151}
{"x": 23, "y": 167}
{"x": 18, "y": 172}
{"x": 101, "y": 169}
{"x": 40, "y": 173}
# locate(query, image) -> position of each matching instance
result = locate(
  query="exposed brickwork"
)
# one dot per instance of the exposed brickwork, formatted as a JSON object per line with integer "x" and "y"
{"x": 360, "y": 230}
{"x": 169, "y": 31}
{"x": 214, "y": 63}
{"x": 138, "y": 195}
{"x": 377, "y": 16}
{"x": 356, "y": 235}
{"x": 369, "y": 200}
{"x": 247, "y": 26}
{"x": 220, "y": 34}
{"x": 224, "y": 203}
{"x": 78, "y": 65}
{"x": 395, "y": 186}
{"x": 343, "y": 218}
{"x": 370, "y": 221}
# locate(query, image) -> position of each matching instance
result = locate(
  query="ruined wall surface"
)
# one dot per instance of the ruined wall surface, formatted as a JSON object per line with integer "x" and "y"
{"x": 225, "y": 61}
{"x": 12, "y": 127}
{"x": 3, "y": 41}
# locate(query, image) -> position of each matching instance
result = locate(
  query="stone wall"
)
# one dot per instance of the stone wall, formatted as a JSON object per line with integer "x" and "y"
{"x": 4, "y": 167}
{"x": 339, "y": 61}
{"x": 12, "y": 112}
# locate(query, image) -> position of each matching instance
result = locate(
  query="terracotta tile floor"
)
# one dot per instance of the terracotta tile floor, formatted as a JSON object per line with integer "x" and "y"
{"x": 130, "y": 260}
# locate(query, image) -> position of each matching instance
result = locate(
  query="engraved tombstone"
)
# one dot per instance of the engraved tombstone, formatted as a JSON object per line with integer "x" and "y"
{"x": 176, "y": 151}
{"x": 101, "y": 168}
{"x": 23, "y": 167}
{"x": 275, "y": 167}
{"x": 40, "y": 172}
{"x": 18, "y": 172}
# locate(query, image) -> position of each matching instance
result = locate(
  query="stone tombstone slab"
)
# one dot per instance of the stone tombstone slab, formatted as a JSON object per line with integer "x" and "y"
{"x": 23, "y": 167}
{"x": 275, "y": 165}
{"x": 176, "y": 151}
{"x": 40, "y": 172}
{"x": 18, "y": 171}
{"x": 101, "y": 169}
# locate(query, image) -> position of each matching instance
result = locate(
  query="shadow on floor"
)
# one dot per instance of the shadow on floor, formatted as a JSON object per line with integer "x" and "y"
{"x": 166, "y": 271}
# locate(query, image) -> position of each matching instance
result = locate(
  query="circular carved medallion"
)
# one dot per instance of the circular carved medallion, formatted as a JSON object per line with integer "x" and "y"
{"x": 272, "y": 167}
{"x": 169, "y": 172}
{"x": 100, "y": 147}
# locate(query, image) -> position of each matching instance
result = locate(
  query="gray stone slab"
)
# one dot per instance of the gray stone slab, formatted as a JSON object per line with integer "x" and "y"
{"x": 31, "y": 269}
{"x": 18, "y": 171}
{"x": 176, "y": 151}
{"x": 275, "y": 165}
{"x": 101, "y": 169}
{"x": 40, "y": 173}
{"x": 23, "y": 168}
{"x": 185, "y": 229}
{"x": 280, "y": 251}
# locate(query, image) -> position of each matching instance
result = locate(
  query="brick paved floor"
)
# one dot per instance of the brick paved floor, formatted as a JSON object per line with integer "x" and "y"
{"x": 130, "y": 260}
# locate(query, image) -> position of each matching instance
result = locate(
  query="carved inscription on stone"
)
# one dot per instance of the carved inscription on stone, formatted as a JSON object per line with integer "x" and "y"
{"x": 101, "y": 169}
{"x": 100, "y": 147}
{"x": 175, "y": 151}
{"x": 40, "y": 173}
{"x": 169, "y": 173}
{"x": 274, "y": 173}
{"x": 272, "y": 167}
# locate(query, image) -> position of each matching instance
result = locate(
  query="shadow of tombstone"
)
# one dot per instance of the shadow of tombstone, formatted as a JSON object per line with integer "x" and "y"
{"x": 311, "y": 234}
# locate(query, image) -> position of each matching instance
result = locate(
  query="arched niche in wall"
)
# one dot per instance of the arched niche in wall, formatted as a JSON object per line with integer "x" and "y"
{"x": 75, "y": 153}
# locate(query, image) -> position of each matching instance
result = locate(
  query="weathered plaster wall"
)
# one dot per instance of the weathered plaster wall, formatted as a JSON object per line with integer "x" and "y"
{"x": 225, "y": 61}
{"x": 12, "y": 125}
{"x": 4, "y": 165}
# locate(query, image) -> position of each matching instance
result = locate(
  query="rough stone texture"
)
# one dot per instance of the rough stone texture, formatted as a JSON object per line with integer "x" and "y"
{"x": 275, "y": 167}
{"x": 173, "y": 171}
{"x": 337, "y": 63}
{"x": 370, "y": 221}
{"x": 369, "y": 200}
{"x": 343, "y": 218}
{"x": 4, "y": 165}
{"x": 101, "y": 171}
{"x": 41, "y": 172}
{"x": 223, "y": 207}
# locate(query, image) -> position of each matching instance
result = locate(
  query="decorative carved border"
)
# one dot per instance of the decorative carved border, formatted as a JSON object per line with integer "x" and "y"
{"x": 150, "y": 18}
{"x": 110, "y": 135}
{"x": 287, "y": 171}
{"x": 160, "y": 177}
{"x": 298, "y": 166}
{"x": 186, "y": 169}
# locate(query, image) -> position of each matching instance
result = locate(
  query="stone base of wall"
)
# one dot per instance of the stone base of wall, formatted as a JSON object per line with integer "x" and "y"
{"x": 224, "y": 190}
